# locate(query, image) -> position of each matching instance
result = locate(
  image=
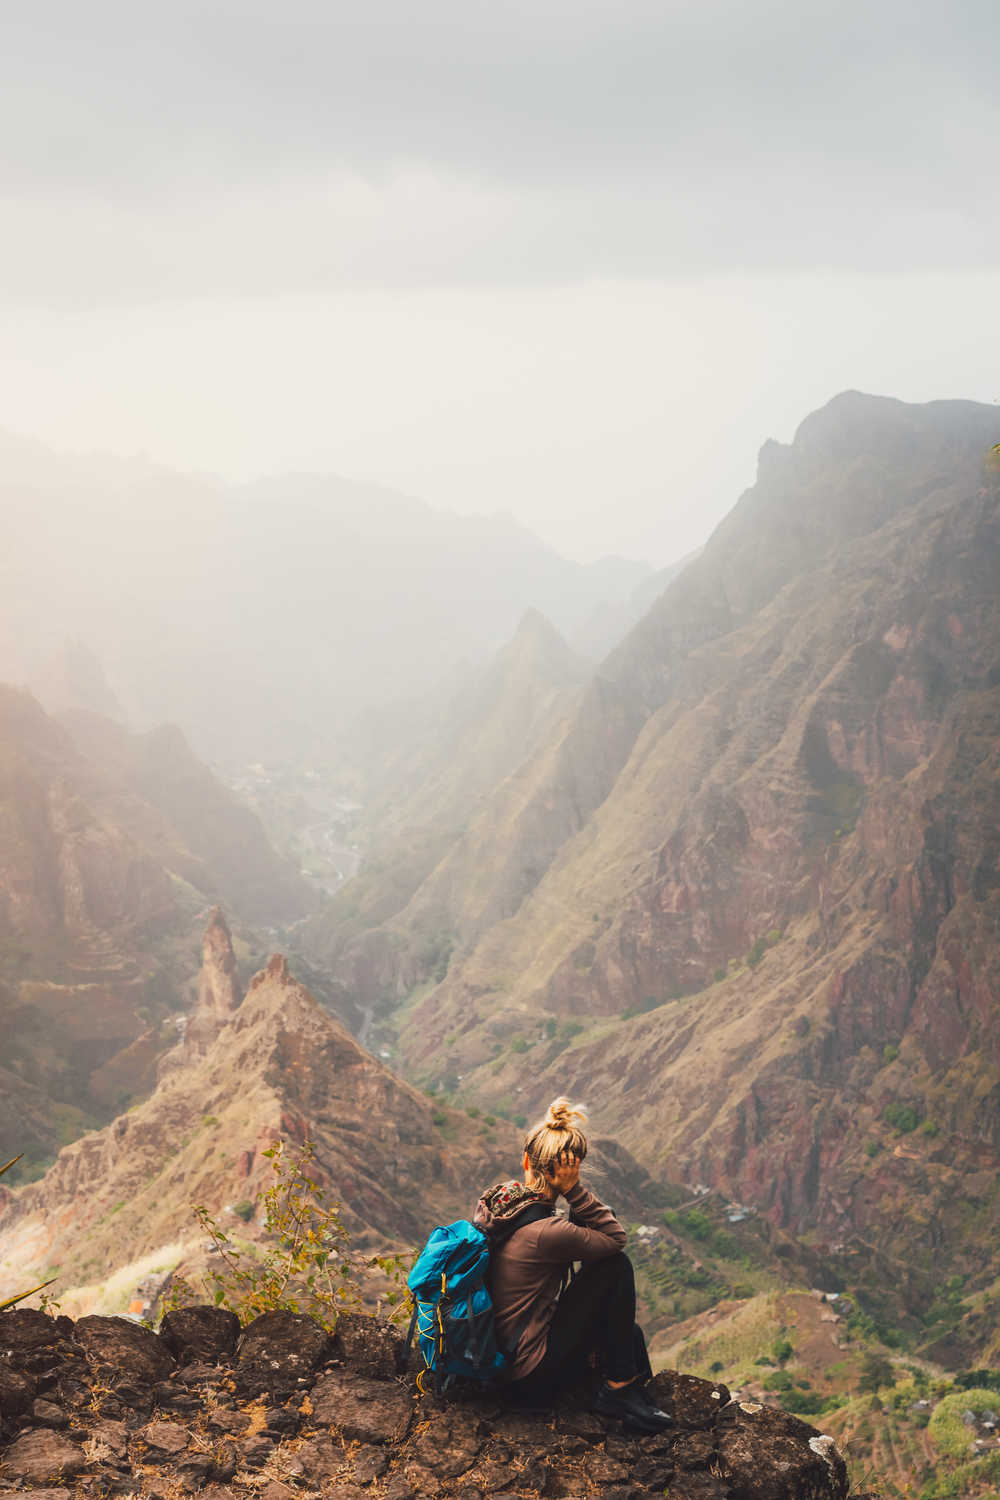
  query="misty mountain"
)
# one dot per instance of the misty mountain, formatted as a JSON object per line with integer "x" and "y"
{"x": 111, "y": 844}
{"x": 745, "y": 892}
{"x": 263, "y": 618}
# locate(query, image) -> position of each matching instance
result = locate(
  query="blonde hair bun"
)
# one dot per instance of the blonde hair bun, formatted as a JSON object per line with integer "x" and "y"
{"x": 564, "y": 1116}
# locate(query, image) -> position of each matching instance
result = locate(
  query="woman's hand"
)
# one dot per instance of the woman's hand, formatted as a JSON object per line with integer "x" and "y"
{"x": 564, "y": 1174}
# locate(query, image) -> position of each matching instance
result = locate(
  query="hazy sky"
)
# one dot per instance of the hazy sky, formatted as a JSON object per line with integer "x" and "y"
{"x": 576, "y": 260}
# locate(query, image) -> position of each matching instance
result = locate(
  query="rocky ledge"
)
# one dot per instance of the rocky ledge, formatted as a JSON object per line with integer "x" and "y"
{"x": 106, "y": 1407}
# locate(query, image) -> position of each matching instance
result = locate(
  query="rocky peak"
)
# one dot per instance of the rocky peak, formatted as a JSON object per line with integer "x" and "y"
{"x": 276, "y": 1066}
{"x": 115, "y": 1408}
{"x": 537, "y": 644}
{"x": 218, "y": 992}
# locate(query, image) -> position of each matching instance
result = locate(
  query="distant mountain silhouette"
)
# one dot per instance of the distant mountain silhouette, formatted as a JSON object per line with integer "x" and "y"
{"x": 264, "y": 618}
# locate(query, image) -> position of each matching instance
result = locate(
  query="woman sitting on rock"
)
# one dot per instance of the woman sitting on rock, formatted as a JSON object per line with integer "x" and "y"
{"x": 546, "y": 1324}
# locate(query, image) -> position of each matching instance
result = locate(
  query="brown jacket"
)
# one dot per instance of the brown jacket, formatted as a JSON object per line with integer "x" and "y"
{"x": 526, "y": 1269}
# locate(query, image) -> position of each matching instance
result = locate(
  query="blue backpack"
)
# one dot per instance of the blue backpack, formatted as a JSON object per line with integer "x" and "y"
{"x": 452, "y": 1306}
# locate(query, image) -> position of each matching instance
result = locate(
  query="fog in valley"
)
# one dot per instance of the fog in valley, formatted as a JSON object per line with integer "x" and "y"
{"x": 499, "y": 562}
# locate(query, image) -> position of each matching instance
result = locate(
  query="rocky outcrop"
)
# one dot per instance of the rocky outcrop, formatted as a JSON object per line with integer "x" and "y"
{"x": 275, "y": 1067}
{"x": 218, "y": 996}
{"x": 289, "y": 1413}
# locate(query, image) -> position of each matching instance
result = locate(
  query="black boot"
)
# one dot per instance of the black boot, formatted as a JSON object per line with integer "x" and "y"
{"x": 631, "y": 1404}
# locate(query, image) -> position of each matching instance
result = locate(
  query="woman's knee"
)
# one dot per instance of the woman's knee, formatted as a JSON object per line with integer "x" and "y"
{"x": 613, "y": 1270}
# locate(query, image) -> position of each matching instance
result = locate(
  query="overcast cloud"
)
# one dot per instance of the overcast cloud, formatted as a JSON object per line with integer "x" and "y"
{"x": 466, "y": 193}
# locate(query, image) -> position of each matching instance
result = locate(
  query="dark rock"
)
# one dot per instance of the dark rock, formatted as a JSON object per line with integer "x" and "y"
{"x": 200, "y": 1335}
{"x": 199, "y": 1374}
{"x": 318, "y": 1459}
{"x": 582, "y": 1424}
{"x": 398, "y": 1488}
{"x": 17, "y": 1390}
{"x": 255, "y": 1450}
{"x": 43, "y": 1456}
{"x": 699, "y": 1487}
{"x": 282, "y": 1421}
{"x": 496, "y": 1473}
{"x": 369, "y": 1346}
{"x": 534, "y": 1475}
{"x": 163, "y": 1439}
{"x": 176, "y": 1398}
{"x": 34, "y": 1343}
{"x": 426, "y": 1484}
{"x": 276, "y": 1351}
{"x": 448, "y": 1444}
{"x": 192, "y": 1470}
{"x": 372, "y": 1411}
{"x": 112, "y": 1436}
{"x": 43, "y": 1494}
{"x": 690, "y": 1401}
{"x": 767, "y": 1454}
{"x": 133, "y": 1352}
{"x": 368, "y": 1464}
{"x": 694, "y": 1450}
{"x": 48, "y": 1414}
{"x": 229, "y": 1421}
{"x": 602, "y": 1469}
{"x": 70, "y": 1394}
{"x": 653, "y": 1470}
{"x": 224, "y": 1463}
{"x": 131, "y": 1394}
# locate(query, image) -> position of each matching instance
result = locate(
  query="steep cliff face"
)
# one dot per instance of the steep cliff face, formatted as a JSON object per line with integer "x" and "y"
{"x": 425, "y": 885}
{"x": 101, "y": 898}
{"x": 157, "y": 780}
{"x": 770, "y": 828}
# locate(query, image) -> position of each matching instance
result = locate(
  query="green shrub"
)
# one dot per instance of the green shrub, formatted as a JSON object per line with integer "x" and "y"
{"x": 876, "y": 1372}
{"x": 757, "y": 952}
{"x": 244, "y": 1210}
{"x": 946, "y": 1428}
{"x": 438, "y": 1119}
{"x": 805, "y": 1403}
{"x": 303, "y": 1265}
{"x": 903, "y": 1117}
{"x": 780, "y": 1380}
{"x": 984, "y": 1380}
{"x": 872, "y": 1148}
{"x": 929, "y": 1128}
{"x": 890, "y": 1052}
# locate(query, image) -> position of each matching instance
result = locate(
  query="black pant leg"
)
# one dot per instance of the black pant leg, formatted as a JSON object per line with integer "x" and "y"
{"x": 595, "y": 1314}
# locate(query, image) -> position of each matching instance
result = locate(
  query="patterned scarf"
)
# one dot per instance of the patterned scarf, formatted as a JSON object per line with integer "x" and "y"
{"x": 508, "y": 1198}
